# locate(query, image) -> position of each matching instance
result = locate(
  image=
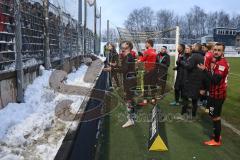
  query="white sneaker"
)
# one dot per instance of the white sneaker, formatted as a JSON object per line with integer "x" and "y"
{"x": 129, "y": 123}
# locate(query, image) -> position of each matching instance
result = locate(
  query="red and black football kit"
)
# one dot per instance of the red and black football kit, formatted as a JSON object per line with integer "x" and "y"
{"x": 208, "y": 60}
{"x": 217, "y": 94}
{"x": 218, "y": 87}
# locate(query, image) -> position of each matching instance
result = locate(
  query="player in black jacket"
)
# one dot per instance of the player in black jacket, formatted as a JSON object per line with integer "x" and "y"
{"x": 179, "y": 82}
{"x": 163, "y": 62}
{"x": 192, "y": 78}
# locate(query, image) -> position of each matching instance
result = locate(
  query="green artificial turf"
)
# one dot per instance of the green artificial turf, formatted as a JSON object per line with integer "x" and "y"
{"x": 231, "y": 109}
{"x": 183, "y": 138}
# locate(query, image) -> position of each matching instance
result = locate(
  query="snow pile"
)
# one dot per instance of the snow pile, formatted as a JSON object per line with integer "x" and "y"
{"x": 12, "y": 157}
{"x": 24, "y": 126}
{"x": 76, "y": 78}
{"x": 13, "y": 116}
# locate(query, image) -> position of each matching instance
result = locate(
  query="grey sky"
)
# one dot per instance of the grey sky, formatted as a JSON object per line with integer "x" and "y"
{"x": 117, "y": 11}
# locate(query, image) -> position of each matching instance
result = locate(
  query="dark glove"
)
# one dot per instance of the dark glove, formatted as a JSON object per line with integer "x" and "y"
{"x": 140, "y": 54}
{"x": 182, "y": 63}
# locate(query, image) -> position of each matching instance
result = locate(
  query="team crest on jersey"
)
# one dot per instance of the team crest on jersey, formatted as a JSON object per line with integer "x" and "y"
{"x": 211, "y": 110}
{"x": 221, "y": 68}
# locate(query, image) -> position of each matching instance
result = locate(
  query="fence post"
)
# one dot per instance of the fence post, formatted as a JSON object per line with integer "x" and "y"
{"x": 100, "y": 28}
{"x": 107, "y": 30}
{"x": 47, "y": 60}
{"x": 70, "y": 37}
{"x": 107, "y": 56}
{"x": 61, "y": 37}
{"x": 18, "y": 44}
{"x": 95, "y": 27}
{"x": 80, "y": 12}
{"x": 84, "y": 28}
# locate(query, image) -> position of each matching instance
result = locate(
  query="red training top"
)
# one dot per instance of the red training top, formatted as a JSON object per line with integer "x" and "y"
{"x": 149, "y": 58}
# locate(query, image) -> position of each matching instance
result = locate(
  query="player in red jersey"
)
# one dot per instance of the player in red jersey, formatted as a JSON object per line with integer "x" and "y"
{"x": 132, "y": 52}
{"x": 149, "y": 59}
{"x": 209, "y": 55}
{"x": 205, "y": 84}
{"x": 149, "y": 56}
{"x": 218, "y": 89}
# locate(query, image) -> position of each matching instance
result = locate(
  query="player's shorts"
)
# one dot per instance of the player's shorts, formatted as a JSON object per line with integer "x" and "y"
{"x": 215, "y": 107}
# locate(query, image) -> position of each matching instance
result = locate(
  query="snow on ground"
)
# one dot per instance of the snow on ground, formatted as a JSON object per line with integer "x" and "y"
{"x": 102, "y": 58}
{"x": 30, "y": 130}
{"x": 76, "y": 78}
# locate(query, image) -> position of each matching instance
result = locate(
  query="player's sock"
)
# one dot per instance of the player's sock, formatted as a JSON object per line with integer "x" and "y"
{"x": 185, "y": 105}
{"x": 217, "y": 130}
{"x": 131, "y": 110}
{"x": 195, "y": 106}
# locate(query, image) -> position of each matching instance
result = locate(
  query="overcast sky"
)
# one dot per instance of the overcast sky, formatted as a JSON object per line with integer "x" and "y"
{"x": 117, "y": 11}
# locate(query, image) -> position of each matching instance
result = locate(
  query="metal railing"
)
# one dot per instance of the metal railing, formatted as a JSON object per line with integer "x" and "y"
{"x": 34, "y": 32}
{"x": 64, "y": 33}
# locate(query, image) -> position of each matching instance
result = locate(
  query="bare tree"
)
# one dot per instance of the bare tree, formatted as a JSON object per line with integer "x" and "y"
{"x": 140, "y": 19}
{"x": 133, "y": 20}
{"x": 223, "y": 19}
{"x": 211, "y": 21}
{"x": 196, "y": 21}
{"x": 182, "y": 21}
{"x": 194, "y": 24}
{"x": 235, "y": 21}
{"x": 147, "y": 17}
{"x": 189, "y": 24}
{"x": 164, "y": 19}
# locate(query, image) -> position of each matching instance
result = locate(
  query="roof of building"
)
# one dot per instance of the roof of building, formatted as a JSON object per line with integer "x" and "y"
{"x": 230, "y": 28}
{"x": 208, "y": 36}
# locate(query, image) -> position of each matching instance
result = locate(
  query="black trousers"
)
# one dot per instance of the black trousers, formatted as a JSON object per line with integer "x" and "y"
{"x": 185, "y": 106}
{"x": 150, "y": 80}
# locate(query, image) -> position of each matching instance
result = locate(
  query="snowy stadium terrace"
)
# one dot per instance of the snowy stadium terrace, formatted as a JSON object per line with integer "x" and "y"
{"x": 57, "y": 103}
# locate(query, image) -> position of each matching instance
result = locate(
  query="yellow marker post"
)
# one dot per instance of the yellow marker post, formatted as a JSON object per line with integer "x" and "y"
{"x": 156, "y": 143}
{"x": 140, "y": 77}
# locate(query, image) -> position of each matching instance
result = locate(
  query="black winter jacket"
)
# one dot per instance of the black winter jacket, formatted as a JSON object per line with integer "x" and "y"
{"x": 193, "y": 76}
